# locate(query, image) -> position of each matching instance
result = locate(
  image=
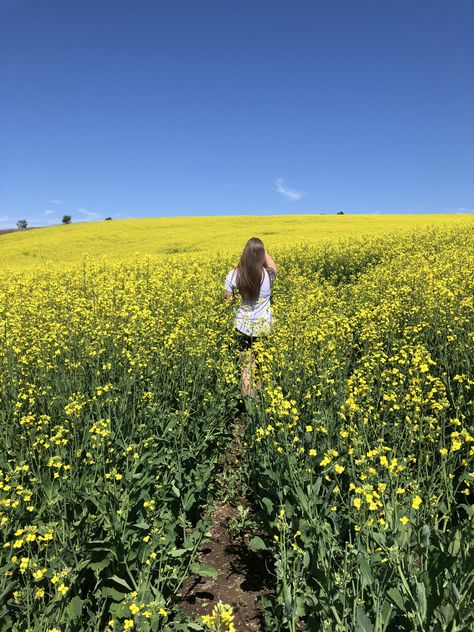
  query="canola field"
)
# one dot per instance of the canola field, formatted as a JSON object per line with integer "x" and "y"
{"x": 66, "y": 245}
{"x": 119, "y": 378}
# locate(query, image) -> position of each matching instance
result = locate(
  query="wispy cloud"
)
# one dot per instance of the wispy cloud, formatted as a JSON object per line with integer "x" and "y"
{"x": 464, "y": 210}
{"x": 87, "y": 214}
{"x": 49, "y": 212}
{"x": 4, "y": 219}
{"x": 285, "y": 190}
{"x": 59, "y": 202}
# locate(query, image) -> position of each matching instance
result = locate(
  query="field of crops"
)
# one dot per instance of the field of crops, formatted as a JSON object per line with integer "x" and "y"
{"x": 115, "y": 240}
{"x": 119, "y": 380}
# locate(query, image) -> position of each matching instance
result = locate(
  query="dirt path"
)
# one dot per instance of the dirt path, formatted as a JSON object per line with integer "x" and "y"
{"x": 243, "y": 575}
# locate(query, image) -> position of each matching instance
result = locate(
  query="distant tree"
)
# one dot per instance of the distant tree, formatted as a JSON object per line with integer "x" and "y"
{"x": 107, "y": 218}
{"x": 22, "y": 224}
{"x": 66, "y": 219}
{"x": 340, "y": 213}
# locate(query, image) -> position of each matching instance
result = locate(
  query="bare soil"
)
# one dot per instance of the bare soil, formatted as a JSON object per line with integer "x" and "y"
{"x": 243, "y": 575}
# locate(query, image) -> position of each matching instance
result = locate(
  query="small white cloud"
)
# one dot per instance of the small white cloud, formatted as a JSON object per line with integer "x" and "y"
{"x": 59, "y": 202}
{"x": 291, "y": 194}
{"x": 464, "y": 210}
{"x": 4, "y": 219}
{"x": 88, "y": 214}
{"x": 49, "y": 212}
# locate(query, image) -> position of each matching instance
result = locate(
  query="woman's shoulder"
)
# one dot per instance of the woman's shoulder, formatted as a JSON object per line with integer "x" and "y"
{"x": 231, "y": 276}
{"x": 271, "y": 274}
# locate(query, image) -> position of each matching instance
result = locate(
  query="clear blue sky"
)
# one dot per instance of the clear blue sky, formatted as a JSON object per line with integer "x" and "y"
{"x": 134, "y": 108}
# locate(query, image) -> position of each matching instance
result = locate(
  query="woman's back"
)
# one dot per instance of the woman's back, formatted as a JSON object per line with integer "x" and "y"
{"x": 253, "y": 317}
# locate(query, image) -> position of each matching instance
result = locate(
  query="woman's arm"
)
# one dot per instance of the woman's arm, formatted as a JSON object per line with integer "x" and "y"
{"x": 229, "y": 286}
{"x": 269, "y": 263}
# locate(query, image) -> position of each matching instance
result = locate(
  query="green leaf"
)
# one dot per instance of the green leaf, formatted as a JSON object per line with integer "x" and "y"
{"x": 189, "y": 502}
{"x": 268, "y": 505}
{"x": 178, "y": 552}
{"x": 302, "y": 498}
{"x": 300, "y": 609}
{"x": 74, "y": 608}
{"x": 317, "y": 485}
{"x": 119, "y": 609}
{"x": 396, "y": 596}
{"x": 367, "y": 576}
{"x": 120, "y": 582}
{"x": 421, "y": 598}
{"x": 363, "y": 620}
{"x": 115, "y": 595}
{"x": 425, "y": 534}
{"x": 204, "y": 570}
{"x": 100, "y": 565}
{"x": 387, "y": 611}
{"x": 257, "y": 544}
{"x": 142, "y": 525}
{"x": 455, "y": 544}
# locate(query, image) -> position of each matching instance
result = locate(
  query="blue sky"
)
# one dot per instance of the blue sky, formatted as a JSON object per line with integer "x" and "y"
{"x": 155, "y": 108}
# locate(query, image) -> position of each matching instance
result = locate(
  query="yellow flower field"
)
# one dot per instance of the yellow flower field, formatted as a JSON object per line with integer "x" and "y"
{"x": 119, "y": 376}
{"x": 161, "y": 237}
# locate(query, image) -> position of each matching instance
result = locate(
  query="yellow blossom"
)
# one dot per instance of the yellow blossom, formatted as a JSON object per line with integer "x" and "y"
{"x": 416, "y": 502}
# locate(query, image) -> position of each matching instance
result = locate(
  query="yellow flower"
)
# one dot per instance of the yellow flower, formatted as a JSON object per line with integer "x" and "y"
{"x": 357, "y": 503}
{"x": 416, "y": 502}
{"x": 62, "y": 588}
{"x": 226, "y": 617}
{"x": 339, "y": 468}
{"x": 39, "y": 593}
{"x": 128, "y": 624}
{"x": 24, "y": 564}
{"x": 404, "y": 520}
{"x": 134, "y": 608}
{"x": 313, "y": 452}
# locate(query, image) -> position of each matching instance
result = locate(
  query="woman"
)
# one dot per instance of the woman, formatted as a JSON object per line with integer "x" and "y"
{"x": 252, "y": 279}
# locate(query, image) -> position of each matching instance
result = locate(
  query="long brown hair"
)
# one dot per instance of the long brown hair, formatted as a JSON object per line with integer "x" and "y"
{"x": 250, "y": 269}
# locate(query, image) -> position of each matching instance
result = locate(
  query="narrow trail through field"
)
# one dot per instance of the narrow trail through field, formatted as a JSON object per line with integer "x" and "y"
{"x": 243, "y": 575}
